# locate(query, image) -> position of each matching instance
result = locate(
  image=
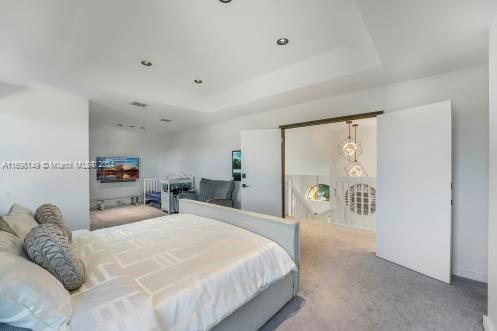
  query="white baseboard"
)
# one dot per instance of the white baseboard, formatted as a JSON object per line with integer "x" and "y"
{"x": 487, "y": 324}
{"x": 470, "y": 274}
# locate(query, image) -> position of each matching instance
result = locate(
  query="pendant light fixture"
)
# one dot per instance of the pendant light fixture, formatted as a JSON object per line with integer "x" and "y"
{"x": 349, "y": 148}
{"x": 355, "y": 169}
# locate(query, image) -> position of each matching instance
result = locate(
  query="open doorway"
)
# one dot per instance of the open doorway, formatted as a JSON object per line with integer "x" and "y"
{"x": 412, "y": 203}
{"x": 330, "y": 173}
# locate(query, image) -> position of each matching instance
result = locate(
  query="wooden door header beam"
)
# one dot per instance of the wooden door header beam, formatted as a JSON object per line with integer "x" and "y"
{"x": 332, "y": 120}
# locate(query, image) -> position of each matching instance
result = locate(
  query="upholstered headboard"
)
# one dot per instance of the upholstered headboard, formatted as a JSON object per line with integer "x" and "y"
{"x": 284, "y": 232}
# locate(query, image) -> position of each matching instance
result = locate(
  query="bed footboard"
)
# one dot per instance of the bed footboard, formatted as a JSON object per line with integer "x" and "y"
{"x": 284, "y": 232}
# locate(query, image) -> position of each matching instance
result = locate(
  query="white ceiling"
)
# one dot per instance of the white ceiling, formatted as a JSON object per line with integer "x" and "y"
{"x": 94, "y": 48}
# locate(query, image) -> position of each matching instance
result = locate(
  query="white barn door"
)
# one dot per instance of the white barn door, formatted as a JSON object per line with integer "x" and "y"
{"x": 414, "y": 212}
{"x": 261, "y": 171}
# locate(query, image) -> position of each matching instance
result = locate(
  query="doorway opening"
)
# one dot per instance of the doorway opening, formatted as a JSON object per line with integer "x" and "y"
{"x": 330, "y": 173}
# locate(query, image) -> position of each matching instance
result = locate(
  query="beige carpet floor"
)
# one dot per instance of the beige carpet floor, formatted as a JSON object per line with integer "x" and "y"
{"x": 344, "y": 286}
{"x": 121, "y": 215}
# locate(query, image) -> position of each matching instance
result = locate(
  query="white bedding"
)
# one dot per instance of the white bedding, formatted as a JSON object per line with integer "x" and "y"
{"x": 191, "y": 270}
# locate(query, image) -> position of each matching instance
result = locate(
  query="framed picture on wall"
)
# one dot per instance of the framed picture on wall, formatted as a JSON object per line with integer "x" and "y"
{"x": 236, "y": 165}
{"x": 118, "y": 169}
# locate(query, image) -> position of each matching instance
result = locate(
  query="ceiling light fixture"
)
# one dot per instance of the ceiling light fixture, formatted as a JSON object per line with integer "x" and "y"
{"x": 131, "y": 126}
{"x": 225, "y": 1}
{"x": 355, "y": 169}
{"x": 282, "y": 41}
{"x": 165, "y": 120}
{"x": 198, "y": 81}
{"x": 349, "y": 148}
{"x": 146, "y": 63}
{"x": 142, "y": 127}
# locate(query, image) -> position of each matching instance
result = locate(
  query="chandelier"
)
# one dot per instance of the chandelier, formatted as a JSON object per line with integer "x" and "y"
{"x": 355, "y": 169}
{"x": 350, "y": 148}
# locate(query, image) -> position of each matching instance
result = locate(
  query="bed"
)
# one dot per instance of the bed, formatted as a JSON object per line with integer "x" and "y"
{"x": 207, "y": 268}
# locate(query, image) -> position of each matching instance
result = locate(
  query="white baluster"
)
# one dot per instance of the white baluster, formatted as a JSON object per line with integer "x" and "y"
{"x": 369, "y": 199}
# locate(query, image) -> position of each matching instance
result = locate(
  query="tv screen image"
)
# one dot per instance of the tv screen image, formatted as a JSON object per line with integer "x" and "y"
{"x": 236, "y": 165}
{"x": 112, "y": 169}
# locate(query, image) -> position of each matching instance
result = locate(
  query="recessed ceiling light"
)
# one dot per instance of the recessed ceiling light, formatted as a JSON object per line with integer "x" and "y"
{"x": 119, "y": 124}
{"x": 131, "y": 126}
{"x": 225, "y": 1}
{"x": 138, "y": 104}
{"x": 282, "y": 41}
{"x": 198, "y": 81}
{"x": 165, "y": 120}
{"x": 146, "y": 63}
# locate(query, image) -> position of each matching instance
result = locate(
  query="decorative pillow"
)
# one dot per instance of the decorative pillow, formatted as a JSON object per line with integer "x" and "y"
{"x": 18, "y": 209}
{"x": 48, "y": 246}
{"x": 21, "y": 220}
{"x": 49, "y": 213}
{"x": 4, "y": 227}
{"x": 9, "y": 243}
{"x": 30, "y": 297}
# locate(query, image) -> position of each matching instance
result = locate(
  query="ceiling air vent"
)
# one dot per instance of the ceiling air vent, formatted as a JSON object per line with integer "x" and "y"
{"x": 138, "y": 104}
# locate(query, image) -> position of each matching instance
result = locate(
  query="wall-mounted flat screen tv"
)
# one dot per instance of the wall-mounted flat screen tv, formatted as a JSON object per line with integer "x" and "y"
{"x": 112, "y": 169}
{"x": 236, "y": 165}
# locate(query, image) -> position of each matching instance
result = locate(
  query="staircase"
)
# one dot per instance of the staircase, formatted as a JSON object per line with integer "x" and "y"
{"x": 354, "y": 203}
{"x": 298, "y": 207}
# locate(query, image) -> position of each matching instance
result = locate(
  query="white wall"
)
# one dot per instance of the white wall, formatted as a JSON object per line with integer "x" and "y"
{"x": 44, "y": 125}
{"x": 206, "y": 151}
{"x": 492, "y": 226}
{"x": 203, "y": 152}
{"x": 116, "y": 141}
{"x": 308, "y": 150}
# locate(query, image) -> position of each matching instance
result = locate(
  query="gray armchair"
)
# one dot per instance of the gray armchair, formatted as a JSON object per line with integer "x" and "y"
{"x": 217, "y": 192}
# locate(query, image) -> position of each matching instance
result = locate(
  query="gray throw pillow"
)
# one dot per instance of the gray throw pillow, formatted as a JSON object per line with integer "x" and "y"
{"x": 48, "y": 246}
{"x": 4, "y": 226}
{"x": 49, "y": 213}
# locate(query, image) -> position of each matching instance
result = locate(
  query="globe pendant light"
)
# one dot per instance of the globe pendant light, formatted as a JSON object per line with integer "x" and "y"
{"x": 349, "y": 148}
{"x": 355, "y": 169}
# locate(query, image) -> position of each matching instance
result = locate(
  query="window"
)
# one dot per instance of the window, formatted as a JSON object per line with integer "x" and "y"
{"x": 361, "y": 199}
{"x": 319, "y": 192}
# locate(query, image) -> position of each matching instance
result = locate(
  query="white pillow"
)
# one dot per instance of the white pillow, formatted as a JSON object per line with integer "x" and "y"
{"x": 18, "y": 209}
{"x": 30, "y": 297}
{"x": 21, "y": 220}
{"x": 9, "y": 243}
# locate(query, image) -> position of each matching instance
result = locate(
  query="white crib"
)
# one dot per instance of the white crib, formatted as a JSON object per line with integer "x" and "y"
{"x": 151, "y": 185}
{"x": 164, "y": 191}
{"x": 152, "y": 188}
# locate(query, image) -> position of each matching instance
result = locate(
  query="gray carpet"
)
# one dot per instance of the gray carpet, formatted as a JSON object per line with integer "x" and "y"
{"x": 344, "y": 286}
{"x": 122, "y": 215}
